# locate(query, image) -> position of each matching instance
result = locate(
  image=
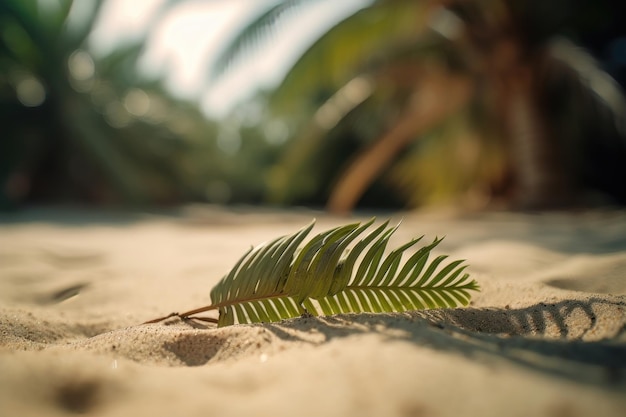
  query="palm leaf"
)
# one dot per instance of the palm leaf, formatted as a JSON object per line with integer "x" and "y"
{"x": 598, "y": 94}
{"x": 332, "y": 60}
{"x": 279, "y": 280}
{"x": 256, "y": 31}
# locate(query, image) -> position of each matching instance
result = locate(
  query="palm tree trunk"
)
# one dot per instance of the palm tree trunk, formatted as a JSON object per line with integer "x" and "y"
{"x": 538, "y": 162}
{"x": 438, "y": 95}
{"x": 539, "y": 159}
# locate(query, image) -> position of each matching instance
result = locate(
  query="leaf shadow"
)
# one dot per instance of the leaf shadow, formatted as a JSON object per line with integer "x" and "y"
{"x": 557, "y": 338}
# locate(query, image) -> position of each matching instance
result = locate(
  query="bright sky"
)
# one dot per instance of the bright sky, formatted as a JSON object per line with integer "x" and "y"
{"x": 186, "y": 40}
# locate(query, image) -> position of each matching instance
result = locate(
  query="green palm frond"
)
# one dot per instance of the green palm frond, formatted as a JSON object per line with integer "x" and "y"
{"x": 254, "y": 32}
{"x": 279, "y": 279}
{"x": 343, "y": 51}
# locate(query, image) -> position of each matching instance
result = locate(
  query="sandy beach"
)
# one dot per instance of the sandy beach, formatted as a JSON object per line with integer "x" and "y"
{"x": 546, "y": 336}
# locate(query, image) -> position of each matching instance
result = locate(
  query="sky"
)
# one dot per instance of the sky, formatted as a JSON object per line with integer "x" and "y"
{"x": 186, "y": 40}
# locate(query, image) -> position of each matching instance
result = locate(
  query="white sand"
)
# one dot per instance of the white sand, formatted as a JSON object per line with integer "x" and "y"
{"x": 545, "y": 337}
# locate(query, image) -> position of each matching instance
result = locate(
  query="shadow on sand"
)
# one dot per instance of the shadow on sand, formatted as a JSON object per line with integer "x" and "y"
{"x": 540, "y": 337}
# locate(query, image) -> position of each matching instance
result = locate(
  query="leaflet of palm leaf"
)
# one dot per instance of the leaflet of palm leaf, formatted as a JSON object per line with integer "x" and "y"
{"x": 278, "y": 280}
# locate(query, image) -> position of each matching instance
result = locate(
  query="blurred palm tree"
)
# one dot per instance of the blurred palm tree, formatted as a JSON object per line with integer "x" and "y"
{"x": 79, "y": 129}
{"x": 503, "y": 104}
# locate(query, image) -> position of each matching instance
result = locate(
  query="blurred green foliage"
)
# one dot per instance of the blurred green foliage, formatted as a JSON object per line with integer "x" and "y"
{"x": 556, "y": 141}
{"x": 76, "y": 128}
{"x": 80, "y": 129}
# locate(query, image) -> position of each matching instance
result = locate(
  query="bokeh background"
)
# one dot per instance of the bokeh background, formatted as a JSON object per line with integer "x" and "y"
{"x": 386, "y": 104}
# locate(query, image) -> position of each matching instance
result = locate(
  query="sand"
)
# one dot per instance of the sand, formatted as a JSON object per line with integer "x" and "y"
{"x": 546, "y": 336}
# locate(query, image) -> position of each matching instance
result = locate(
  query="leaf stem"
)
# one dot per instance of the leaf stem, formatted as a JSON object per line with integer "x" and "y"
{"x": 211, "y": 307}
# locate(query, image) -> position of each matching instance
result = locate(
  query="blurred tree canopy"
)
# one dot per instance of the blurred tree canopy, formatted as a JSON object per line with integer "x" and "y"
{"x": 455, "y": 101}
{"x": 403, "y": 103}
{"x": 80, "y": 129}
